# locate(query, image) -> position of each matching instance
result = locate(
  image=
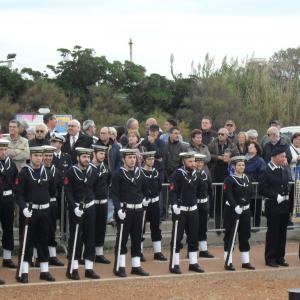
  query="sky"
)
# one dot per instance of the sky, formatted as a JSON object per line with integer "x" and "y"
{"x": 189, "y": 29}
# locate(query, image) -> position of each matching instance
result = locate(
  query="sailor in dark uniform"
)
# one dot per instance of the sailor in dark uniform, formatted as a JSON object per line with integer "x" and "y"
{"x": 151, "y": 202}
{"x": 203, "y": 205}
{"x": 128, "y": 189}
{"x": 58, "y": 182}
{"x": 8, "y": 175}
{"x": 237, "y": 193}
{"x": 183, "y": 197}
{"x": 35, "y": 185}
{"x": 79, "y": 186}
{"x": 273, "y": 184}
{"x": 101, "y": 196}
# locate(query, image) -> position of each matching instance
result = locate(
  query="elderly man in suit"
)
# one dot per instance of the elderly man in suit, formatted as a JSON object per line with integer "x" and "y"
{"x": 75, "y": 138}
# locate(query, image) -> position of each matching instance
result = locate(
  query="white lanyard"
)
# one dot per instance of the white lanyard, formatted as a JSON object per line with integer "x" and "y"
{"x": 31, "y": 171}
{"x": 136, "y": 171}
{"x": 154, "y": 173}
{"x": 193, "y": 176}
{"x": 76, "y": 170}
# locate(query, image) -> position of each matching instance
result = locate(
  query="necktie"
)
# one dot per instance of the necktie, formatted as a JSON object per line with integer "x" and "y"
{"x": 72, "y": 141}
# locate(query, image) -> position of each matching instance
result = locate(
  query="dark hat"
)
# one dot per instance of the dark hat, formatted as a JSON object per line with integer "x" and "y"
{"x": 125, "y": 151}
{"x": 185, "y": 155}
{"x": 239, "y": 158}
{"x": 48, "y": 149}
{"x": 36, "y": 149}
{"x": 278, "y": 150}
{"x": 199, "y": 157}
{"x": 57, "y": 138}
{"x": 148, "y": 154}
{"x": 81, "y": 150}
{"x": 99, "y": 148}
{"x": 4, "y": 143}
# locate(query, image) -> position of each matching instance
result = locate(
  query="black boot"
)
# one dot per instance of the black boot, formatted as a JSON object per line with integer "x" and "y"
{"x": 205, "y": 254}
{"x": 102, "y": 259}
{"x": 139, "y": 271}
{"x": 89, "y": 273}
{"x": 23, "y": 278}
{"x": 2, "y": 281}
{"x": 229, "y": 267}
{"x": 121, "y": 272}
{"x": 175, "y": 270}
{"x": 248, "y": 266}
{"x": 54, "y": 261}
{"x": 46, "y": 276}
{"x": 142, "y": 257}
{"x": 74, "y": 275}
{"x": 195, "y": 268}
{"x": 159, "y": 256}
{"x": 8, "y": 263}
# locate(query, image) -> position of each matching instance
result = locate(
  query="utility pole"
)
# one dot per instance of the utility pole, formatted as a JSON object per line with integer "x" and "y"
{"x": 130, "y": 48}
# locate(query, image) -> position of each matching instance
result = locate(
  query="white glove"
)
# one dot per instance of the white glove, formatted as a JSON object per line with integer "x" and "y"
{"x": 176, "y": 209}
{"x": 27, "y": 213}
{"x": 279, "y": 199}
{"x": 121, "y": 214}
{"x": 78, "y": 212}
{"x": 238, "y": 209}
{"x": 146, "y": 202}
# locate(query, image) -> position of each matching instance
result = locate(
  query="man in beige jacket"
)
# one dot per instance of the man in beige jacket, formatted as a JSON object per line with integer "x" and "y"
{"x": 18, "y": 149}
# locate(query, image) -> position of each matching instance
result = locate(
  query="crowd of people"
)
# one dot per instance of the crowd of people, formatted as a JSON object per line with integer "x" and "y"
{"x": 116, "y": 177}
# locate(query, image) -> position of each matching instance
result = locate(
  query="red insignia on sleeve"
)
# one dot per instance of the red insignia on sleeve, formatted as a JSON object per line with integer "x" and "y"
{"x": 225, "y": 187}
{"x": 17, "y": 182}
{"x": 171, "y": 186}
{"x": 66, "y": 181}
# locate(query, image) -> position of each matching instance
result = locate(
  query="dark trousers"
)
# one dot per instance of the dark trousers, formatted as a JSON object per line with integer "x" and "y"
{"x": 276, "y": 237}
{"x": 188, "y": 221}
{"x": 132, "y": 225}
{"x": 52, "y": 224}
{"x": 152, "y": 216}
{"x": 100, "y": 224}
{"x": 243, "y": 232}
{"x": 37, "y": 234}
{"x": 218, "y": 206}
{"x": 203, "y": 218}
{"x": 86, "y": 234}
{"x": 7, "y": 222}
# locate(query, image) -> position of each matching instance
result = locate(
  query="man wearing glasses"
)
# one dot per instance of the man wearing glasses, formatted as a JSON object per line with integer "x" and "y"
{"x": 40, "y": 136}
{"x": 230, "y": 126}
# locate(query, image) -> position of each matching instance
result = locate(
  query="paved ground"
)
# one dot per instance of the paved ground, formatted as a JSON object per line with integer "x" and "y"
{"x": 215, "y": 283}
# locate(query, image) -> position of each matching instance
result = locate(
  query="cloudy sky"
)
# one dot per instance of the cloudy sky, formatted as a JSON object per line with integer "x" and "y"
{"x": 34, "y": 29}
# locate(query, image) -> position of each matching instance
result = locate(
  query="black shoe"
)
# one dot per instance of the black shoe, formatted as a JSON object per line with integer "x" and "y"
{"x": 229, "y": 267}
{"x": 248, "y": 266}
{"x": 81, "y": 262}
{"x": 121, "y": 272}
{"x": 206, "y": 254}
{"x": 46, "y": 276}
{"x": 74, "y": 275}
{"x": 102, "y": 259}
{"x": 142, "y": 258}
{"x": 272, "y": 264}
{"x": 8, "y": 263}
{"x": 282, "y": 263}
{"x": 2, "y": 281}
{"x": 54, "y": 261}
{"x": 23, "y": 278}
{"x": 159, "y": 256}
{"x": 195, "y": 268}
{"x": 175, "y": 270}
{"x": 139, "y": 271}
{"x": 36, "y": 263}
{"x": 90, "y": 273}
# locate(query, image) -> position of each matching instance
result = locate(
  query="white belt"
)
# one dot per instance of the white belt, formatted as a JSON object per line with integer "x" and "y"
{"x": 203, "y": 200}
{"x": 188, "y": 208}
{"x": 39, "y": 206}
{"x": 87, "y": 205}
{"x": 103, "y": 201}
{"x": 7, "y": 193}
{"x": 133, "y": 206}
{"x": 243, "y": 207}
{"x": 53, "y": 199}
{"x": 154, "y": 199}
{"x": 286, "y": 197}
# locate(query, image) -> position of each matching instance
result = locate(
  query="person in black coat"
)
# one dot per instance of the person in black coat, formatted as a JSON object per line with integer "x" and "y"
{"x": 75, "y": 138}
{"x": 273, "y": 184}
{"x": 40, "y": 136}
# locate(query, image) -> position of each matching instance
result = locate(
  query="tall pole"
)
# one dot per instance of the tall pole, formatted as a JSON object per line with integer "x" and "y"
{"x": 130, "y": 48}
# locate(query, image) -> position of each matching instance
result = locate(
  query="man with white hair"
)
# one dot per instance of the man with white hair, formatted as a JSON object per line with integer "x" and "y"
{"x": 75, "y": 138}
{"x": 275, "y": 141}
{"x": 40, "y": 136}
{"x": 252, "y": 135}
{"x": 89, "y": 128}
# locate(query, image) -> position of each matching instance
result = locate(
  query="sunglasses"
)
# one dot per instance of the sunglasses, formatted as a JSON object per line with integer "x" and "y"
{"x": 270, "y": 134}
{"x": 229, "y": 125}
{"x": 39, "y": 131}
{"x": 220, "y": 133}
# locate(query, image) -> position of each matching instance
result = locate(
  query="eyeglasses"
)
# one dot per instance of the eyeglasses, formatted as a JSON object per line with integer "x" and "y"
{"x": 39, "y": 131}
{"x": 220, "y": 133}
{"x": 270, "y": 134}
{"x": 229, "y": 125}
